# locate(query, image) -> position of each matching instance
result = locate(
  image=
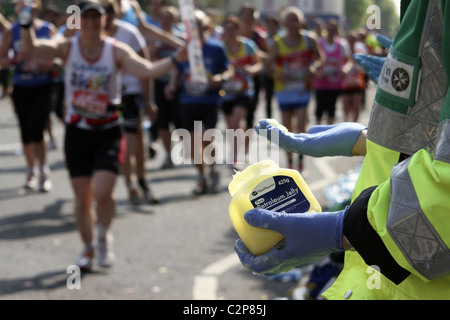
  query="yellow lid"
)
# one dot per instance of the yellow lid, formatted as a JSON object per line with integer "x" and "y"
{"x": 254, "y": 170}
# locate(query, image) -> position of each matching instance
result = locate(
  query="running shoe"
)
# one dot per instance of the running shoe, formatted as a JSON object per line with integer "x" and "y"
{"x": 201, "y": 187}
{"x": 30, "y": 182}
{"x": 51, "y": 145}
{"x": 214, "y": 175}
{"x": 149, "y": 197}
{"x": 45, "y": 185}
{"x": 133, "y": 196}
{"x": 152, "y": 150}
{"x": 106, "y": 256}
{"x": 84, "y": 261}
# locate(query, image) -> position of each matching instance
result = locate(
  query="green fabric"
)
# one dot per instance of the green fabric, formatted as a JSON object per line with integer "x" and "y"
{"x": 403, "y": 7}
{"x": 407, "y": 39}
{"x": 363, "y": 281}
{"x": 405, "y": 49}
{"x": 429, "y": 177}
{"x": 399, "y": 104}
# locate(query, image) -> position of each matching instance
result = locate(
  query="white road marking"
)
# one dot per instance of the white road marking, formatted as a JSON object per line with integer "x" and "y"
{"x": 206, "y": 284}
{"x": 6, "y": 147}
{"x": 205, "y": 287}
{"x": 16, "y": 147}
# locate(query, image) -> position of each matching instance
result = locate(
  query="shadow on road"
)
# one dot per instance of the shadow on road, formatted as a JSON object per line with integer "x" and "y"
{"x": 34, "y": 224}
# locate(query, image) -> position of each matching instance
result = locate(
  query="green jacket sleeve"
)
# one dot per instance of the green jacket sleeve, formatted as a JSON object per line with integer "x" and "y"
{"x": 403, "y": 224}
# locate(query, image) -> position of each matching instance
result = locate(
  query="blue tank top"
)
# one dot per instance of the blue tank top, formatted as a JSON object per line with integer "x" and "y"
{"x": 216, "y": 62}
{"x": 30, "y": 71}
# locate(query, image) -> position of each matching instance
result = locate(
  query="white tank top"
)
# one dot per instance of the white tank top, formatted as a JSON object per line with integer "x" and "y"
{"x": 92, "y": 85}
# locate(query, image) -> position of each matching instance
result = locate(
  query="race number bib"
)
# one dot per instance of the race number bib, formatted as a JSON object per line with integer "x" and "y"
{"x": 91, "y": 105}
{"x": 297, "y": 72}
{"x": 235, "y": 85}
{"x": 196, "y": 88}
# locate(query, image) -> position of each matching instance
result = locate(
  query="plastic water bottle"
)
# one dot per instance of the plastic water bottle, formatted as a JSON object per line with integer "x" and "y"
{"x": 147, "y": 124}
{"x": 25, "y": 16}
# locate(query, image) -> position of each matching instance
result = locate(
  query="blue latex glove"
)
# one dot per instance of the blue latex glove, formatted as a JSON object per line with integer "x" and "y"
{"x": 385, "y": 42}
{"x": 320, "y": 141}
{"x": 308, "y": 236}
{"x": 373, "y": 64}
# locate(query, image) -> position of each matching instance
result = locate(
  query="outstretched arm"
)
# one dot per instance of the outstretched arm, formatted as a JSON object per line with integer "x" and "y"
{"x": 343, "y": 139}
{"x": 43, "y": 48}
{"x": 142, "y": 68}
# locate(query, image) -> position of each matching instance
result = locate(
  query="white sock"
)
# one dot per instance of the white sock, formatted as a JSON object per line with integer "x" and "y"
{"x": 44, "y": 170}
{"x": 102, "y": 231}
{"x": 30, "y": 171}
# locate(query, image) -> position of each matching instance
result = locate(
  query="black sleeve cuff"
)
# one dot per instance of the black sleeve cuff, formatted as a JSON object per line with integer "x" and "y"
{"x": 366, "y": 241}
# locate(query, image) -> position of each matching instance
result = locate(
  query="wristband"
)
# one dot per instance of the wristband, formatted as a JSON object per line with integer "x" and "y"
{"x": 25, "y": 26}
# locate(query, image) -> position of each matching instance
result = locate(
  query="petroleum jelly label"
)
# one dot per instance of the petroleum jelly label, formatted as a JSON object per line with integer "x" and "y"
{"x": 280, "y": 194}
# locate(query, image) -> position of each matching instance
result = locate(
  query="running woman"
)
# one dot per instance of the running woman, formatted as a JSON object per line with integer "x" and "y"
{"x": 293, "y": 57}
{"x": 93, "y": 132}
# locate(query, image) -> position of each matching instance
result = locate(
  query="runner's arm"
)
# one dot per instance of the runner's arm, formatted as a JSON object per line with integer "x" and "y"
{"x": 142, "y": 68}
{"x": 43, "y": 48}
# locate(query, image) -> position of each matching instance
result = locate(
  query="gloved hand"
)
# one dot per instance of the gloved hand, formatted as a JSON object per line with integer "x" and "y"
{"x": 385, "y": 42}
{"x": 320, "y": 141}
{"x": 308, "y": 236}
{"x": 373, "y": 64}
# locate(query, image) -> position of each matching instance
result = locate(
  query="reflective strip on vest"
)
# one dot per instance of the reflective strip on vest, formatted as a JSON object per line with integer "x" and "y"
{"x": 415, "y": 130}
{"x": 408, "y": 225}
{"x": 443, "y": 145}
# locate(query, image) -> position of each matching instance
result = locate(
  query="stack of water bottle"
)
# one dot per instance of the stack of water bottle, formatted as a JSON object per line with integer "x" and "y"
{"x": 340, "y": 193}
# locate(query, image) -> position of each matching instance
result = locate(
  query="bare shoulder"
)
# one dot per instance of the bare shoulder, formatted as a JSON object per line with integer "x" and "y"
{"x": 122, "y": 49}
{"x": 122, "y": 52}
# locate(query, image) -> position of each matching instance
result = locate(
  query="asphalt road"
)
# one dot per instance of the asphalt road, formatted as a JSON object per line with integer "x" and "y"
{"x": 181, "y": 249}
